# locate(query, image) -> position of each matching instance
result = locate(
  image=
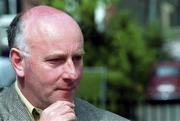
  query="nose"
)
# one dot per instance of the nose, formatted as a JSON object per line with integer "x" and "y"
{"x": 70, "y": 70}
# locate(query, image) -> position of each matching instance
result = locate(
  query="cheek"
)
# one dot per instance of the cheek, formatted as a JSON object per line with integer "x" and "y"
{"x": 32, "y": 71}
{"x": 48, "y": 76}
{"x": 80, "y": 71}
{"x": 35, "y": 72}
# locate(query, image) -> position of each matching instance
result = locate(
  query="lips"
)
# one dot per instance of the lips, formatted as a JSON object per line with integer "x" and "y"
{"x": 69, "y": 88}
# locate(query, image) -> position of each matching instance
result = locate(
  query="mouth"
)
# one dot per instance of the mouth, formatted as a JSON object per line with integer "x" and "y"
{"x": 69, "y": 89}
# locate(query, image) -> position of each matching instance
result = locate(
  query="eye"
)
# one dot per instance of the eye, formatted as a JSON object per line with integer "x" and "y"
{"x": 56, "y": 61}
{"x": 77, "y": 58}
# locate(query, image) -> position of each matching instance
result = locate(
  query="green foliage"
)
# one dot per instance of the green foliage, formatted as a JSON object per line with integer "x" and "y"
{"x": 90, "y": 80}
{"x": 155, "y": 39}
{"x": 60, "y": 4}
{"x": 92, "y": 85}
{"x": 131, "y": 56}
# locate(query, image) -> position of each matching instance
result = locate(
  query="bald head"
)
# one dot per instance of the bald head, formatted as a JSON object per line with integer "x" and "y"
{"x": 40, "y": 20}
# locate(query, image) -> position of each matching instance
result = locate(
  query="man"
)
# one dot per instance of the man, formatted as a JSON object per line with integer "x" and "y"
{"x": 46, "y": 51}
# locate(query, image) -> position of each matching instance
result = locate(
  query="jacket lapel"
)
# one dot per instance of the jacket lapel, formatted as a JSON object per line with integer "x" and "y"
{"x": 17, "y": 110}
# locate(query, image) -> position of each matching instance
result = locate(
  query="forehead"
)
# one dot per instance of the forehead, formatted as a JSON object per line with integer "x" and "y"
{"x": 56, "y": 38}
{"x": 52, "y": 30}
{"x": 55, "y": 41}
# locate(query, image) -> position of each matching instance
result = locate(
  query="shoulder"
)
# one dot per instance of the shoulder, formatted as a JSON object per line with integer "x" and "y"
{"x": 7, "y": 100}
{"x": 4, "y": 93}
{"x": 87, "y": 111}
{"x": 6, "y": 97}
{"x": 11, "y": 107}
{"x": 4, "y": 110}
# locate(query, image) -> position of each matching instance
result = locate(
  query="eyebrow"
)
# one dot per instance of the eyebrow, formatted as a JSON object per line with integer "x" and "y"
{"x": 80, "y": 52}
{"x": 60, "y": 55}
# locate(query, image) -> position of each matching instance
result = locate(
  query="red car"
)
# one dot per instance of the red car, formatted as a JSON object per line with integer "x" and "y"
{"x": 164, "y": 83}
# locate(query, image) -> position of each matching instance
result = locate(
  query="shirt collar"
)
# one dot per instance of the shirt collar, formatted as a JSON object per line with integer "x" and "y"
{"x": 28, "y": 105}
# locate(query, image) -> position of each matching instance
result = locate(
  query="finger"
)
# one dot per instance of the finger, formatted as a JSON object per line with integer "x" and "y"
{"x": 59, "y": 110}
{"x": 67, "y": 117}
{"x": 58, "y": 105}
{"x": 65, "y": 109}
{"x": 55, "y": 116}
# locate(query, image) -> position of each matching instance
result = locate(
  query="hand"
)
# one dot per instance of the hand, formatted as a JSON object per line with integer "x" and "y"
{"x": 59, "y": 111}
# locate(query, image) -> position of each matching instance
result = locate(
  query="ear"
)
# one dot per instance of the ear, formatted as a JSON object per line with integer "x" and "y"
{"x": 17, "y": 61}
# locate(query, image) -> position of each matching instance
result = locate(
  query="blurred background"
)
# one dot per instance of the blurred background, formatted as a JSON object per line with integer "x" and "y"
{"x": 132, "y": 56}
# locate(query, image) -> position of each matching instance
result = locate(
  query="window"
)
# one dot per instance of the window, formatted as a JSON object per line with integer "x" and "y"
{"x": 167, "y": 70}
